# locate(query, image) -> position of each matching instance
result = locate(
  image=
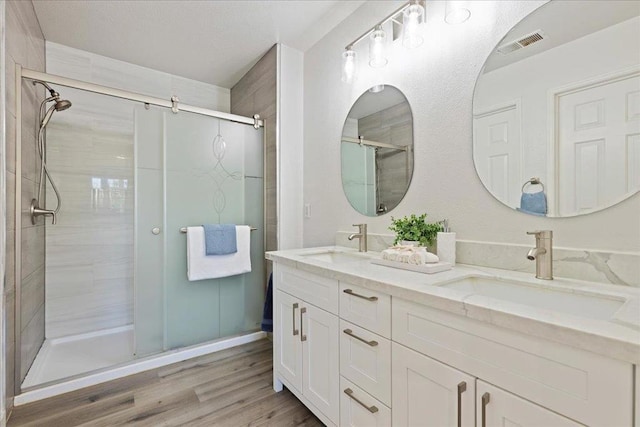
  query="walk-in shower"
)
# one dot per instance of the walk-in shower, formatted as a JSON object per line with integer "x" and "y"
{"x": 133, "y": 171}
{"x": 45, "y": 115}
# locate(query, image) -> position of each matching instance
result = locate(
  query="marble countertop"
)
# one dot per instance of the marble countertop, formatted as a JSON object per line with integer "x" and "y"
{"x": 618, "y": 337}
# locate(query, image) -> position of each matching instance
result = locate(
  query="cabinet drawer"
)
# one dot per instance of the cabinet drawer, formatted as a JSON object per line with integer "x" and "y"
{"x": 584, "y": 386}
{"x": 316, "y": 290}
{"x": 365, "y": 359}
{"x": 366, "y": 308}
{"x": 360, "y": 409}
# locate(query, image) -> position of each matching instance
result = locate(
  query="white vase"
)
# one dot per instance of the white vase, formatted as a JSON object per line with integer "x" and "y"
{"x": 410, "y": 243}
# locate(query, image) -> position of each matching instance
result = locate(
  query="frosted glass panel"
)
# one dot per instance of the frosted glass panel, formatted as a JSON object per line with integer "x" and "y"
{"x": 358, "y": 176}
{"x": 211, "y": 173}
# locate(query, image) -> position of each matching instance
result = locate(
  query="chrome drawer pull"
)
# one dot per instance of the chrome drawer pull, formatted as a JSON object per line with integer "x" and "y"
{"x": 462, "y": 387}
{"x": 486, "y": 398}
{"x": 295, "y": 307}
{"x": 351, "y": 334}
{"x": 372, "y": 409}
{"x": 350, "y": 292}
{"x": 303, "y": 337}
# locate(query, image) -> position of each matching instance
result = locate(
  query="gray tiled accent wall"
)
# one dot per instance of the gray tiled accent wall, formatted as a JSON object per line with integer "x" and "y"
{"x": 393, "y": 125}
{"x": 24, "y": 45}
{"x": 256, "y": 93}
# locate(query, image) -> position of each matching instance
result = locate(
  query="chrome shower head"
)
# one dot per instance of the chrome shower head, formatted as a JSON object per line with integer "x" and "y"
{"x": 62, "y": 105}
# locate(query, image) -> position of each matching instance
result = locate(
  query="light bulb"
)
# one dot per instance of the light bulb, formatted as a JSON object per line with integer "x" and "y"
{"x": 349, "y": 65}
{"x": 456, "y": 12}
{"x": 377, "y": 42}
{"x": 412, "y": 18}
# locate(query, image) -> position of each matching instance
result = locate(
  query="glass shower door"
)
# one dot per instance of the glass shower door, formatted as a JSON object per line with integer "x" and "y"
{"x": 192, "y": 170}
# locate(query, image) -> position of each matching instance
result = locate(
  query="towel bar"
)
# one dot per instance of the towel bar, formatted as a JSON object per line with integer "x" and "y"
{"x": 184, "y": 229}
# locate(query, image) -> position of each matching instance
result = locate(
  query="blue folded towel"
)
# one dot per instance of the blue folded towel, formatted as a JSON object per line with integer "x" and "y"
{"x": 267, "y": 311}
{"x": 220, "y": 239}
{"x": 534, "y": 203}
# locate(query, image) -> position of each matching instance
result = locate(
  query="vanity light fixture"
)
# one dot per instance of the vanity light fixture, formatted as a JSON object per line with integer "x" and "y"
{"x": 349, "y": 68}
{"x": 377, "y": 44}
{"x": 456, "y": 11}
{"x": 410, "y": 17}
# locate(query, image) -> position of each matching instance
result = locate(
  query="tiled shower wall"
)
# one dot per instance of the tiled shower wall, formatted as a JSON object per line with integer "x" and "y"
{"x": 24, "y": 45}
{"x": 256, "y": 93}
{"x": 393, "y": 125}
{"x": 90, "y": 147}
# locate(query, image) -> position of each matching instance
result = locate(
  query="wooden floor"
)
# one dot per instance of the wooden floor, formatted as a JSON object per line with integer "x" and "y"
{"x": 228, "y": 388}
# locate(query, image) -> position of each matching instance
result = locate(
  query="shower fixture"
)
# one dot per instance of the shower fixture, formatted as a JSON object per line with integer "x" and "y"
{"x": 45, "y": 116}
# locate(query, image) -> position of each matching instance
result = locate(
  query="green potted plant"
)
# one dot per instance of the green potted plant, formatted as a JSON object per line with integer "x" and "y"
{"x": 415, "y": 229}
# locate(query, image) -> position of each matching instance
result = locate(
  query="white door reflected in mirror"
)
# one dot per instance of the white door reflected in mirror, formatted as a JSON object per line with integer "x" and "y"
{"x": 557, "y": 110}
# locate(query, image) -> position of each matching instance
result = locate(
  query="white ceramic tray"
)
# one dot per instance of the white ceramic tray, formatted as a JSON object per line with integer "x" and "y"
{"x": 430, "y": 268}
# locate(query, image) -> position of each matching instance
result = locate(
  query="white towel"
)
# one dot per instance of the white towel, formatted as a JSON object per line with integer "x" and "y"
{"x": 422, "y": 257}
{"x": 388, "y": 253}
{"x": 201, "y": 266}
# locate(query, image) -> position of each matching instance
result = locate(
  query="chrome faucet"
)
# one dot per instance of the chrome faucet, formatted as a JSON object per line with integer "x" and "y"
{"x": 35, "y": 212}
{"x": 362, "y": 235}
{"x": 542, "y": 254}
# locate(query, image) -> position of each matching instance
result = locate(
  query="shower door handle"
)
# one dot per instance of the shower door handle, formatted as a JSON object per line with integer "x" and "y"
{"x": 156, "y": 230}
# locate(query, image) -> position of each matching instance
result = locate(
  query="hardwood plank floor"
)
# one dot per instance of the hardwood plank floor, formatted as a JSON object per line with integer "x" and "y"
{"x": 229, "y": 388}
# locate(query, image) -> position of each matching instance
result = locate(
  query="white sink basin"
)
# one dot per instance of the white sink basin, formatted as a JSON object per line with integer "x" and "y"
{"x": 335, "y": 257}
{"x": 594, "y": 306}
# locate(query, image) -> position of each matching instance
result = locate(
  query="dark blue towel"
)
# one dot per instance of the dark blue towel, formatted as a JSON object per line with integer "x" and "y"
{"x": 220, "y": 239}
{"x": 267, "y": 311}
{"x": 534, "y": 203}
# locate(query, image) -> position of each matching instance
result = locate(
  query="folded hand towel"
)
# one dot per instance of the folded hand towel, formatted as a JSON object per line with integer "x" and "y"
{"x": 200, "y": 266}
{"x": 534, "y": 203}
{"x": 220, "y": 239}
{"x": 404, "y": 257}
{"x": 393, "y": 255}
{"x": 387, "y": 252}
{"x": 417, "y": 258}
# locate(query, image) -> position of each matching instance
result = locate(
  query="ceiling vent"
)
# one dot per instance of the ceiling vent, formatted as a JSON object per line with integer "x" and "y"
{"x": 522, "y": 42}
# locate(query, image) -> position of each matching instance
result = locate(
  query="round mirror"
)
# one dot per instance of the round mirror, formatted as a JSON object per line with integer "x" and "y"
{"x": 377, "y": 151}
{"x": 556, "y": 110}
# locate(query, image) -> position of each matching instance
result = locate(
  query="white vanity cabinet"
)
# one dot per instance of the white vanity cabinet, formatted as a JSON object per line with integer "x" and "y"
{"x": 359, "y": 357}
{"x": 305, "y": 339}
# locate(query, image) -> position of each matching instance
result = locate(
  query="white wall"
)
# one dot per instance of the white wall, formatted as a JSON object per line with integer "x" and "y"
{"x": 290, "y": 158}
{"x": 438, "y": 79}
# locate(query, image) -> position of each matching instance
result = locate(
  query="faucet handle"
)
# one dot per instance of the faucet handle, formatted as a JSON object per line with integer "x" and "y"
{"x": 541, "y": 234}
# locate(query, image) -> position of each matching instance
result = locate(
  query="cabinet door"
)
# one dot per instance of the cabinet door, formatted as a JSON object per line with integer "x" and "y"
{"x": 320, "y": 360}
{"x": 496, "y": 407}
{"x": 287, "y": 344}
{"x": 429, "y": 393}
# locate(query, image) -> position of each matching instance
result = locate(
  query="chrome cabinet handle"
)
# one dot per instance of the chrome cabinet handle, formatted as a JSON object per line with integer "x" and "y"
{"x": 303, "y": 337}
{"x": 295, "y": 307}
{"x": 486, "y": 398}
{"x": 351, "y": 334}
{"x": 373, "y": 409}
{"x": 350, "y": 292}
{"x": 462, "y": 387}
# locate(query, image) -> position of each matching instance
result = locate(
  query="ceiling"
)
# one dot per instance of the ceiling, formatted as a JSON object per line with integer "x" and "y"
{"x": 562, "y": 22}
{"x": 211, "y": 41}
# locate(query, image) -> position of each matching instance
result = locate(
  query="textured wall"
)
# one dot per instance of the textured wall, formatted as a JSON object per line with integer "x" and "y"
{"x": 438, "y": 79}
{"x": 24, "y": 45}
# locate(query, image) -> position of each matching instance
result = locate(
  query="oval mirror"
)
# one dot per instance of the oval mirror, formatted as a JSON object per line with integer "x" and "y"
{"x": 556, "y": 110}
{"x": 377, "y": 150}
